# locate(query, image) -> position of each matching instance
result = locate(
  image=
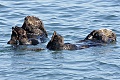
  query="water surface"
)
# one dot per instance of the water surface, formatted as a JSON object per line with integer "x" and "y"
{"x": 72, "y": 19}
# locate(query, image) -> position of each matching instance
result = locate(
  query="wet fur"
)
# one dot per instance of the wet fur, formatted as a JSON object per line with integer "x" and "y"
{"x": 101, "y": 36}
{"x": 57, "y": 43}
{"x": 19, "y": 37}
{"x": 95, "y": 38}
{"x": 34, "y": 26}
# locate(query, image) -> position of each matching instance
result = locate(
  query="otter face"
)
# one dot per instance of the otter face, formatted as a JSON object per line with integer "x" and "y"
{"x": 18, "y": 36}
{"x": 32, "y": 24}
{"x": 102, "y": 35}
{"x": 56, "y": 42}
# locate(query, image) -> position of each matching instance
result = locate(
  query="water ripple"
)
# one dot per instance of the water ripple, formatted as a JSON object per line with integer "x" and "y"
{"x": 73, "y": 20}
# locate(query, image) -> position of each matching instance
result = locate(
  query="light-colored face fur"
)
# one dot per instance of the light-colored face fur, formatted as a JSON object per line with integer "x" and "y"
{"x": 106, "y": 32}
{"x": 102, "y": 35}
{"x": 34, "y": 25}
{"x": 107, "y": 35}
{"x": 33, "y": 21}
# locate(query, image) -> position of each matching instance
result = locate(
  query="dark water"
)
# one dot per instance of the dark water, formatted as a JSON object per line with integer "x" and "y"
{"x": 73, "y": 19}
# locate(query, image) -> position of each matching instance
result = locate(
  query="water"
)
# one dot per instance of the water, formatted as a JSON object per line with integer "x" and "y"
{"x": 72, "y": 19}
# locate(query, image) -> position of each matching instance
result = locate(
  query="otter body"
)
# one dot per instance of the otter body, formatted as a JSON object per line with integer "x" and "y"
{"x": 57, "y": 43}
{"x": 95, "y": 38}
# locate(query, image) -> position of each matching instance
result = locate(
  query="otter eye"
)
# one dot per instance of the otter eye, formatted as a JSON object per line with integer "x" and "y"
{"x": 29, "y": 24}
{"x": 24, "y": 36}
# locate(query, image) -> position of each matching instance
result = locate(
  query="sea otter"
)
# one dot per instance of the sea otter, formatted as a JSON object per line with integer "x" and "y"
{"x": 19, "y": 37}
{"x": 34, "y": 28}
{"x": 101, "y": 36}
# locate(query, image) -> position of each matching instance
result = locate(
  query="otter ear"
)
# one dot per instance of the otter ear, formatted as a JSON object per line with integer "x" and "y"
{"x": 13, "y": 28}
{"x": 55, "y": 33}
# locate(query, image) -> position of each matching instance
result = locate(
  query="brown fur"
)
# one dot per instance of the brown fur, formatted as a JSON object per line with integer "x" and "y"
{"x": 34, "y": 25}
{"x": 57, "y": 43}
{"x": 102, "y": 35}
{"x": 95, "y": 38}
{"x": 17, "y": 33}
{"x": 19, "y": 37}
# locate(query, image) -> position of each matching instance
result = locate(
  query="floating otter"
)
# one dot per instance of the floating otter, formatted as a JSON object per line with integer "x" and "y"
{"x": 96, "y": 38}
{"x": 101, "y": 36}
{"x": 19, "y": 37}
{"x": 57, "y": 43}
{"x": 34, "y": 28}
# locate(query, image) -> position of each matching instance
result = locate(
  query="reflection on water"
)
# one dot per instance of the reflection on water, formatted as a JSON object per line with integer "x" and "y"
{"x": 73, "y": 20}
{"x": 57, "y": 55}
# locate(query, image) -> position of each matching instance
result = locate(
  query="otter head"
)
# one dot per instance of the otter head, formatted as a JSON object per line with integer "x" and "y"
{"x": 102, "y": 35}
{"x": 14, "y": 37}
{"x": 18, "y": 36}
{"x": 56, "y": 42}
{"x": 32, "y": 23}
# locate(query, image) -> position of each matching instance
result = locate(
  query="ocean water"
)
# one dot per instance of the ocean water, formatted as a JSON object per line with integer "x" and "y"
{"x": 72, "y": 19}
